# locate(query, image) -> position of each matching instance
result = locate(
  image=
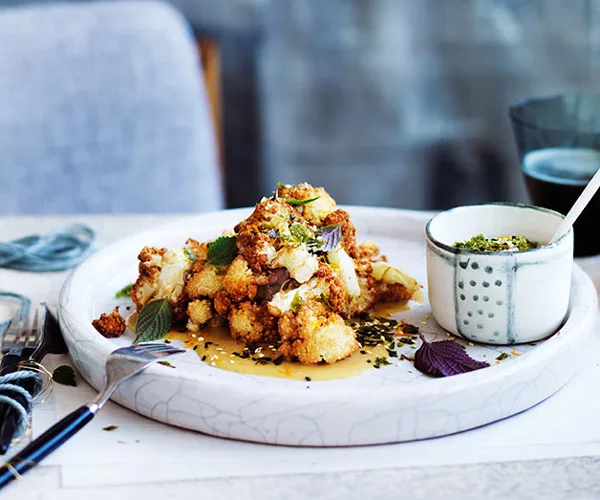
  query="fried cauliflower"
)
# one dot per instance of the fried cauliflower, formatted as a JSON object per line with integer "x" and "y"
{"x": 294, "y": 278}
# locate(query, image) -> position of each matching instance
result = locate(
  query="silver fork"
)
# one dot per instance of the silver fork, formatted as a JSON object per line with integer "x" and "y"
{"x": 121, "y": 365}
{"x": 21, "y": 338}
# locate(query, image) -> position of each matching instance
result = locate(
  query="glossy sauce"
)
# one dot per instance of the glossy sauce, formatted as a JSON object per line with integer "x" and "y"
{"x": 215, "y": 347}
{"x": 220, "y": 355}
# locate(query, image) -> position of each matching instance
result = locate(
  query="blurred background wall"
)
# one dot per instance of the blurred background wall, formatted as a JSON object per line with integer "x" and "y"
{"x": 387, "y": 102}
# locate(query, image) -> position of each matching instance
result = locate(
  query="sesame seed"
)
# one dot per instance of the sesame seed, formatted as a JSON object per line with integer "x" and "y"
{"x": 201, "y": 338}
{"x": 232, "y": 361}
{"x": 423, "y": 322}
{"x": 471, "y": 344}
{"x": 427, "y": 316}
{"x": 213, "y": 363}
{"x": 194, "y": 335}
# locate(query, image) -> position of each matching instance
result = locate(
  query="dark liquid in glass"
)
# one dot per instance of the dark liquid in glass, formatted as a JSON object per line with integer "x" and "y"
{"x": 555, "y": 178}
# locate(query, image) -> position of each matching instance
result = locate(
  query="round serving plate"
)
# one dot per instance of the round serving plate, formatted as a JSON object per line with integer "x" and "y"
{"x": 391, "y": 404}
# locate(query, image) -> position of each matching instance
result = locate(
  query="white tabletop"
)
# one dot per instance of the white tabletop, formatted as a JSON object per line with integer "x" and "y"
{"x": 549, "y": 451}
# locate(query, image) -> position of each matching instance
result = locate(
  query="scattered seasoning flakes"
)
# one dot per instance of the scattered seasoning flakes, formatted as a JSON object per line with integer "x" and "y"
{"x": 308, "y": 379}
{"x": 121, "y": 442}
{"x": 380, "y": 361}
{"x": 427, "y": 316}
{"x": 166, "y": 341}
{"x": 166, "y": 363}
{"x": 471, "y": 344}
{"x": 423, "y": 322}
{"x": 110, "y": 428}
{"x": 515, "y": 352}
{"x": 195, "y": 347}
{"x": 64, "y": 375}
{"x": 204, "y": 358}
{"x": 502, "y": 356}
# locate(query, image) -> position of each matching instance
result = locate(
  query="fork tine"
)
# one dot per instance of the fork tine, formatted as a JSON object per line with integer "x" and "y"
{"x": 21, "y": 337}
{"x": 36, "y": 329}
{"x": 152, "y": 347}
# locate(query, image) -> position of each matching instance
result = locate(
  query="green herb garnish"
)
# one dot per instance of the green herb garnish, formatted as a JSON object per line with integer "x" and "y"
{"x": 154, "y": 321}
{"x": 300, "y": 233}
{"x": 326, "y": 301}
{"x": 502, "y": 356}
{"x": 408, "y": 328}
{"x": 293, "y": 201}
{"x": 124, "y": 292}
{"x": 379, "y": 362}
{"x": 479, "y": 243}
{"x": 296, "y": 302}
{"x": 166, "y": 363}
{"x": 64, "y": 375}
{"x": 222, "y": 251}
{"x": 110, "y": 428}
{"x": 190, "y": 255}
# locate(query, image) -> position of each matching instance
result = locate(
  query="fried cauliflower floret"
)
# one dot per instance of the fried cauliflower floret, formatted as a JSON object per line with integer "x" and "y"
{"x": 345, "y": 268}
{"x": 162, "y": 275}
{"x": 368, "y": 250}
{"x": 222, "y": 303}
{"x": 256, "y": 248}
{"x": 348, "y": 230}
{"x": 205, "y": 283}
{"x": 269, "y": 213}
{"x": 199, "y": 313}
{"x": 239, "y": 280}
{"x": 314, "y": 211}
{"x": 325, "y": 286}
{"x": 252, "y": 323}
{"x": 393, "y": 284}
{"x": 314, "y": 334}
{"x": 200, "y": 250}
{"x": 368, "y": 290}
{"x": 300, "y": 263}
{"x": 110, "y": 325}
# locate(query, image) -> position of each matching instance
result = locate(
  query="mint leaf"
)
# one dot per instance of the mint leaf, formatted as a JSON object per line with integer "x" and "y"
{"x": 190, "y": 255}
{"x": 222, "y": 251}
{"x": 154, "y": 321}
{"x": 124, "y": 292}
{"x": 64, "y": 375}
{"x": 331, "y": 236}
{"x": 301, "y": 233}
{"x": 293, "y": 201}
{"x": 444, "y": 358}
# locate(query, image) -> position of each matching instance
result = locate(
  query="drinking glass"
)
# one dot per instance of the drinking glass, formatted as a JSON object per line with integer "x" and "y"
{"x": 558, "y": 140}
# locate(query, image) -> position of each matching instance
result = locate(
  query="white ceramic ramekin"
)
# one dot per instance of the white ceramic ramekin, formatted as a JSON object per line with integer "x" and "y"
{"x": 505, "y": 297}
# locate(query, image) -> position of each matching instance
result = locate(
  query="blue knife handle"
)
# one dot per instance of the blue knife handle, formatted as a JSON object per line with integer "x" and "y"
{"x": 49, "y": 441}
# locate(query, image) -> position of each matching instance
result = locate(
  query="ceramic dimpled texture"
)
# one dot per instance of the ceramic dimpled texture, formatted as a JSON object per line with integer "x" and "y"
{"x": 482, "y": 290}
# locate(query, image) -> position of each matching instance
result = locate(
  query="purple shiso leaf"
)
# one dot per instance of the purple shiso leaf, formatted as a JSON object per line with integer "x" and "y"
{"x": 444, "y": 358}
{"x": 331, "y": 237}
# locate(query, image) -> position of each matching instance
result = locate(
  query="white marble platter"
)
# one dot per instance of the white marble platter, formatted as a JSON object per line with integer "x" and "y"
{"x": 393, "y": 404}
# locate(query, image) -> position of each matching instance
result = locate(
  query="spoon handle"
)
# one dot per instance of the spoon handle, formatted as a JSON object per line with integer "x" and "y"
{"x": 578, "y": 206}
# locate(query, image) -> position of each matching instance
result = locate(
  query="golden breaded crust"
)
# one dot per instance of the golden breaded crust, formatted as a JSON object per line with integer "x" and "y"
{"x": 393, "y": 292}
{"x": 368, "y": 290}
{"x": 314, "y": 334}
{"x": 348, "y": 230}
{"x": 367, "y": 250}
{"x": 264, "y": 212}
{"x": 239, "y": 280}
{"x": 252, "y": 323}
{"x": 253, "y": 246}
{"x": 200, "y": 312}
{"x": 110, "y": 325}
{"x": 337, "y": 293}
{"x": 205, "y": 283}
{"x": 222, "y": 303}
